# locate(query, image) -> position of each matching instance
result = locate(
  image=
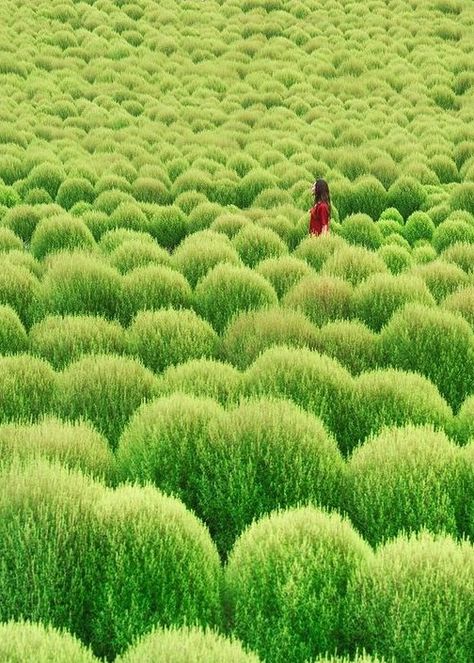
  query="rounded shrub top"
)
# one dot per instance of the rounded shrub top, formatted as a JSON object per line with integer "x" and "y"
{"x": 283, "y": 272}
{"x": 202, "y": 377}
{"x": 202, "y": 251}
{"x": 13, "y": 338}
{"x": 59, "y": 233}
{"x": 19, "y": 288}
{"x": 9, "y": 241}
{"x": 361, "y": 230}
{"x": 452, "y": 231}
{"x": 397, "y": 258}
{"x": 22, "y": 219}
{"x": 187, "y": 645}
{"x": 316, "y": 250}
{"x": 351, "y": 342}
{"x": 254, "y": 243}
{"x": 359, "y": 658}
{"x": 442, "y": 278}
{"x": 406, "y": 479}
{"x": 137, "y": 253}
{"x": 227, "y": 290}
{"x": 418, "y": 226}
{"x": 27, "y": 388}
{"x": 25, "y": 641}
{"x": 321, "y": 298}
{"x": 287, "y": 564}
{"x": 407, "y": 195}
{"x": 461, "y": 254}
{"x": 354, "y": 264}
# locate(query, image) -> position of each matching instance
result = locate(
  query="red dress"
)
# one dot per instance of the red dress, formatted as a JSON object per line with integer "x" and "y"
{"x": 319, "y": 218}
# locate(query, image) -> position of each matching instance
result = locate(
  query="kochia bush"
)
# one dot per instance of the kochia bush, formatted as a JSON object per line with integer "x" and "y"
{"x": 397, "y": 258}
{"x": 9, "y": 241}
{"x": 321, "y": 298}
{"x": 28, "y": 388}
{"x": 407, "y": 195}
{"x": 60, "y": 233}
{"x": 354, "y": 264}
{"x": 418, "y": 226}
{"x": 254, "y": 244}
{"x": 442, "y": 278}
{"x": 284, "y": 272}
{"x": 461, "y": 254}
{"x": 202, "y": 377}
{"x": 316, "y": 250}
{"x": 353, "y": 344}
{"x": 202, "y": 251}
{"x": 135, "y": 253}
{"x": 22, "y": 219}
{"x": 290, "y": 563}
{"x": 452, "y": 231}
{"x": 360, "y": 229}
{"x": 13, "y": 338}
{"x": 19, "y": 288}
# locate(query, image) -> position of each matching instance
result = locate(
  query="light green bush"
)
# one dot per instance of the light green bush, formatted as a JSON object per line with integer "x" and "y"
{"x": 252, "y": 332}
{"x": 22, "y": 219}
{"x": 150, "y": 190}
{"x": 293, "y": 563}
{"x": 62, "y": 340}
{"x": 13, "y": 338}
{"x": 252, "y": 184}
{"x": 423, "y": 254}
{"x": 202, "y": 251}
{"x": 9, "y": 241}
{"x": 321, "y": 298}
{"x": 317, "y": 250}
{"x": 187, "y": 645}
{"x": 129, "y": 215}
{"x": 202, "y": 377}
{"x": 81, "y": 284}
{"x": 462, "y": 197}
{"x": 227, "y": 290}
{"x": 406, "y": 479}
{"x": 418, "y": 226}
{"x": 25, "y": 641}
{"x": 392, "y": 213}
{"x": 19, "y": 288}
{"x": 397, "y": 258}
{"x": 168, "y": 225}
{"x": 74, "y": 445}
{"x": 436, "y": 344}
{"x": 254, "y": 244}
{"x": 113, "y": 239}
{"x": 169, "y": 337}
{"x": 60, "y": 233}
{"x": 135, "y": 253}
{"x": 442, "y": 278}
{"x": 381, "y": 295}
{"x": 165, "y": 569}
{"x": 354, "y": 264}
{"x": 229, "y": 224}
{"x": 74, "y": 190}
{"x": 461, "y": 254}
{"x": 202, "y": 215}
{"x": 98, "y": 222}
{"x": 389, "y": 227}
{"x": 284, "y": 272}
{"x": 369, "y": 196}
{"x": 353, "y": 344}
{"x": 407, "y": 195}
{"x": 47, "y": 176}
{"x": 359, "y": 229}
{"x": 415, "y": 595}
{"x": 27, "y": 388}
{"x": 461, "y": 301}
{"x": 450, "y": 232}
{"x": 109, "y": 201}
{"x": 153, "y": 287}
{"x": 104, "y": 390}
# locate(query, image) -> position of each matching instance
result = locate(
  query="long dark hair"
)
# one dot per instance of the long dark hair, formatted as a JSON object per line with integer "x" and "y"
{"x": 321, "y": 193}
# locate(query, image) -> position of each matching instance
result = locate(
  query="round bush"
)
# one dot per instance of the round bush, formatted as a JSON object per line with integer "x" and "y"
{"x": 405, "y": 479}
{"x": 59, "y": 233}
{"x": 22, "y": 219}
{"x": 229, "y": 224}
{"x": 354, "y": 264}
{"x": 114, "y": 238}
{"x": 462, "y": 197}
{"x": 19, "y": 289}
{"x": 252, "y": 184}
{"x": 24, "y": 641}
{"x": 9, "y": 241}
{"x": 359, "y": 229}
{"x": 389, "y": 227}
{"x": 321, "y": 298}
{"x": 13, "y": 338}
{"x": 461, "y": 301}
{"x": 452, "y": 231}
{"x": 316, "y": 382}
{"x": 284, "y": 272}
{"x": 202, "y": 251}
{"x": 418, "y": 226}
{"x": 316, "y": 250}
{"x": 77, "y": 284}
{"x": 150, "y": 190}
{"x": 353, "y": 344}
{"x": 376, "y": 299}
{"x": 129, "y": 215}
{"x": 108, "y": 201}
{"x": 62, "y": 340}
{"x": 461, "y": 254}
{"x": 407, "y": 195}
{"x": 47, "y": 176}
{"x": 423, "y": 254}
{"x": 27, "y": 388}
{"x": 442, "y": 278}
{"x": 165, "y": 569}
{"x": 416, "y": 595}
{"x": 153, "y": 287}
{"x": 169, "y": 337}
{"x": 393, "y": 214}
{"x": 168, "y": 225}
{"x": 136, "y": 253}
{"x": 187, "y": 645}
{"x": 73, "y": 190}
{"x": 369, "y": 196}
{"x": 105, "y": 390}
{"x": 202, "y": 377}
{"x": 397, "y": 258}
{"x": 391, "y": 397}
{"x": 297, "y": 562}
{"x": 74, "y": 445}
{"x": 254, "y": 244}
{"x": 250, "y": 333}
{"x": 227, "y": 290}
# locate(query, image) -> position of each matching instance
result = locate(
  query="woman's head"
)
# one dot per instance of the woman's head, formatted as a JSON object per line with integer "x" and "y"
{"x": 321, "y": 191}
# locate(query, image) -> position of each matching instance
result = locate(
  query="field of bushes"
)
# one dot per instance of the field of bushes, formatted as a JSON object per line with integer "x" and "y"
{"x": 223, "y": 440}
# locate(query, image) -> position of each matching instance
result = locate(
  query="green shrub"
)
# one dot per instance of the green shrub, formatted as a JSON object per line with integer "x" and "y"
{"x": 13, "y": 338}
{"x": 74, "y": 445}
{"x": 186, "y": 645}
{"x": 462, "y": 302}
{"x": 62, "y": 340}
{"x": 393, "y": 214}
{"x": 37, "y": 196}
{"x": 464, "y": 422}
{"x": 252, "y": 332}
{"x": 202, "y": 215}
{"x": 442, "y": 278}
{"x": 80, "y": 284}
{"x": 452, "y": 231}
{"x": 150, "y": 190}
{"x": 202, "y": 377}
{"x": 227, "y": 290}
{"x": 359, "y": 658}
{"x": 397, "y": 258}
{"x": 359, "y": 229}
{"x": 321, "y": 298}
{"x": 229, "y": 224}
{"x": 353, "y": 344}
{"x": 418, "y": 226}
{"x": 435, "y": 343}
{"x": 252, "y": 184}
{"x": 165, "y": 568}
{"x": 169, "y": 226}
{"x": 105, "y": 390}
{"x": 407, "y": 195}
{"x": 50, "y": 561}
{"x": 135, "y": 253}
{"x": 24, "y": 641}
{"x": 389, "y": 227}
{"x": 405, "y": 479}
{"x": 297, "y": 562}
{"x": 202, "y": 251}
{"x": 354, "y": 264}
{"x": 129, "y": 215}
{"x": 47, "y": 176}
{"x": 317, "y": 250}
{"x": 27, "y": 388}
{"x": 113, "y": 239}
{"x": 423, "y": 254}
{"x": 316, "y": 382}
{"x": 416, "y": 595}
{"x": 390, "y": 397}
{"x": 74, "y": 190}
{"x": 109, "y": 201}
{"x": 284, "y": 272}
{"x": 22, "y": 219}
{"x": 19, "y": 288}
{"x": 462, "y": 197}
{"x": 98, "y": 223}
{"x": 169, "y": 337}
{"x": 9, "y": 241}
{"x": 377, "y": 298}
{"x": 60, "y": 233}
{"x": 254, "y": 244}
{"x": 461, "y": 254}
{"x": 153, "y": 287}
{"x": 368, "y": 196}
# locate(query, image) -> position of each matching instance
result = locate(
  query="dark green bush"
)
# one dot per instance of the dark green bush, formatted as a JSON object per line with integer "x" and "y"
{"x": 368, "y": 196}
{"x": 418, "y": 226}
{"x": 168, "y": 225}
{"x": 407, "y": 195}
{"x": 397, "y": 258}
{"x": 13, "y": 338}
{"x": 73, "y": 190}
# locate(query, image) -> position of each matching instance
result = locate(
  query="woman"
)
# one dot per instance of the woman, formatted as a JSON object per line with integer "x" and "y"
{"x": 320, "y": 213}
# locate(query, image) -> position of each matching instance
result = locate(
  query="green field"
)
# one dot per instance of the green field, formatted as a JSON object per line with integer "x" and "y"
{"x": 223, "y": 440}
